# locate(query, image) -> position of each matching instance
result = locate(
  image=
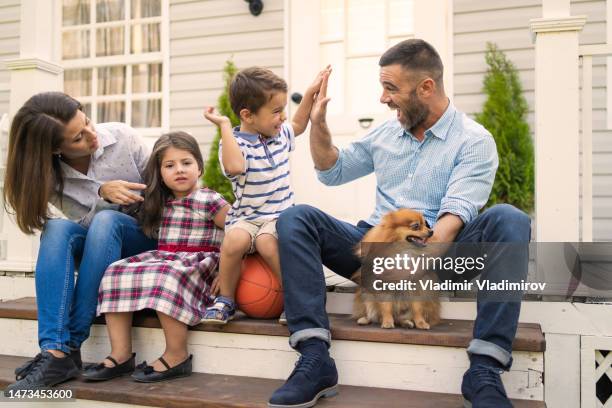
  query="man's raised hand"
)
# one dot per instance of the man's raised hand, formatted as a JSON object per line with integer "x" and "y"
{"x": 319, "y": 108}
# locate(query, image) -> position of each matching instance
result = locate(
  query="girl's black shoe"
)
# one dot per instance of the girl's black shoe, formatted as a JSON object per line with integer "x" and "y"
{"x": 100, "y": 372}
{"x": 146, "y": 373}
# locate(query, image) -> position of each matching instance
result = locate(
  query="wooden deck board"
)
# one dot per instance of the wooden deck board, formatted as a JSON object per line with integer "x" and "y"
{"x": 450, "y": 333}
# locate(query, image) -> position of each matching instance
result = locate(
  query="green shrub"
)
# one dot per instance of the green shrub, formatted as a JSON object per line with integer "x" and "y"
{"x": 213, "y": 177}
{"x": 504, "y": 115}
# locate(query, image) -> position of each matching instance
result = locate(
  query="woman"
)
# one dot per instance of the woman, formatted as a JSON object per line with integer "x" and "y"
{"x": 56, "y": 156}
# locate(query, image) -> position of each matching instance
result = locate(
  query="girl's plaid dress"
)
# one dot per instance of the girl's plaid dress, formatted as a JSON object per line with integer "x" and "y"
{"x": 175, "y": 279}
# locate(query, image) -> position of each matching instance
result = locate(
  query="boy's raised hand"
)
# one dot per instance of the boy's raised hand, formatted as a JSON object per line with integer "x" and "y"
{"x": 319, "y": 107}
{"x": 215, "y": 117}
{"x": 316, "y": 84}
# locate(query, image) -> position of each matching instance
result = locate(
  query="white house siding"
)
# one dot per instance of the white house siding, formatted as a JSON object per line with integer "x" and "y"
{"x": 506, "y": 24}
{"x": 9, "y": 46}
{"x": 203, "y": 35}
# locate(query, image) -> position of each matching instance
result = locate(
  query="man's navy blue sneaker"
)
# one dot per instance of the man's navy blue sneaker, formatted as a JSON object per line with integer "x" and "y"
{"x": 314, "y": 376}
{"x": 482, "y": 386}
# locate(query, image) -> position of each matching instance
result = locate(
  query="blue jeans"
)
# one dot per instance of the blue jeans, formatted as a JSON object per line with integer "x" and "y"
{"x": 309, "y": 238}
{"x": 66, "y": 310}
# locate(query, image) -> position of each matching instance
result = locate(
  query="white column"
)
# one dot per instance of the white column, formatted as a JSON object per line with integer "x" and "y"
{"x": 557, "y": 119}
{"x": 34, "y": 71}
{"x": 557, "y": 122}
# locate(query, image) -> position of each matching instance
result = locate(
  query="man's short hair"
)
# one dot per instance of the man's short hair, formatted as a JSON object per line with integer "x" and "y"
{"x": 253, "y": 87}
{"x": 415, "y": 55}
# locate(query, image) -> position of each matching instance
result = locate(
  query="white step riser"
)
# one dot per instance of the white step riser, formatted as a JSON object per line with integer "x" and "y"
{"x": 14, "y": 287}
{"x": 411, "y": 367}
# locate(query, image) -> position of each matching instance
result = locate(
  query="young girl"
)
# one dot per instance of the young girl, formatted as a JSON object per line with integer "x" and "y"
{"x": 175, "y": 280}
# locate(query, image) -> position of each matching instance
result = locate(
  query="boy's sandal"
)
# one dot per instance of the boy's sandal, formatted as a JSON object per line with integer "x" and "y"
{"x": 147, "y": 374}
{"x": 222, "y": 311}
{"x": 100, "y": 372}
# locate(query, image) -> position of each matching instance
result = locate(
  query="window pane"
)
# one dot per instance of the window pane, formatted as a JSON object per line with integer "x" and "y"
{"x": 109, "y": 10}
{"x": 401, "y": 17}
{"x": 146, "y": 8}
{"x": 334, "y": 54}
{"x": 366, "y": 26}
{"x": 146, "y": 113}
{"x": 145, "y": 38}
{"x": 109, "y": 41}
{"x": 146, "y": 78}
{"x": 87, "y": 109}
{"x": 77, "y": 82}
{"x": 332, "y": 19}
{"x": 111, "y": 112}
{"x": 75, "y": 44}
{"x": 75, "y": 12}
{"x": 111, "y": 80}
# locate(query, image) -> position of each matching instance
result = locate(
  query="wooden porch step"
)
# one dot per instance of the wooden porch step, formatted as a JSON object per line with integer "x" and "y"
{"x": 450, "y": 333}
{"x": 221, "y": 391}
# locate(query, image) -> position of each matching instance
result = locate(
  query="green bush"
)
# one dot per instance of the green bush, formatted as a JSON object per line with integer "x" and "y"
{"x": 504, "y": 115}
{"x": 213, "y": 177}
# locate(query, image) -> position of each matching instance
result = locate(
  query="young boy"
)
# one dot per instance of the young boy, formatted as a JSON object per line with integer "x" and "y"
{"x": 255, "y": 157}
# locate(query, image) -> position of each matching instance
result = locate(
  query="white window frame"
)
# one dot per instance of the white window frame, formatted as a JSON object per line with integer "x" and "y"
{"x": 162, "y": 57}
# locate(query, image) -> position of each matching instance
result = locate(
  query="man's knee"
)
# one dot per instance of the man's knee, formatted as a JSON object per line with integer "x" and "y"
{"x": 509, "y": 223}
{"x": 294, "y": 216}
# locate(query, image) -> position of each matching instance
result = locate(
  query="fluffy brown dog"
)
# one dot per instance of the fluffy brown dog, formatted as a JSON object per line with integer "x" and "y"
{"x": 418, "y": 307}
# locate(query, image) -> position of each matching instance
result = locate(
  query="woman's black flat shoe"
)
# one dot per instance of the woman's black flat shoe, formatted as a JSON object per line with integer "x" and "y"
{"x": 145, "y": 373}
{"x": 100, "y": 372}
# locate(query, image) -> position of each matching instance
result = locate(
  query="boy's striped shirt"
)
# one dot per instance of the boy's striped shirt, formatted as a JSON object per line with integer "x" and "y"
{"x": 263, "y": 191}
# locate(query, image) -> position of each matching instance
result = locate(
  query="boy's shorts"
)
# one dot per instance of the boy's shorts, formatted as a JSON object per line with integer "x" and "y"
{"x": 255, "y": 228}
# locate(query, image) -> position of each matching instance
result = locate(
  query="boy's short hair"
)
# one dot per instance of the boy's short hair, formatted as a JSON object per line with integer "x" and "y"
{"x": 253, "y": 87}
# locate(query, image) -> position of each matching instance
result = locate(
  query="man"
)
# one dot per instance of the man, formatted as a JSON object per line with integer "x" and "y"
{"x": 433, "y": 159}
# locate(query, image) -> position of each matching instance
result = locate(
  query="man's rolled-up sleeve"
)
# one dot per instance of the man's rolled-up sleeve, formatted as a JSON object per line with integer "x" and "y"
{"x": 353, "y": 162}
{"x": 471, "y": 180}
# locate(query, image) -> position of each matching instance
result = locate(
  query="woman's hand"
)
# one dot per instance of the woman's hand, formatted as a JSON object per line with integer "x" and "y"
{"x": 119, "y": 192}
{"x": 215, "y": 117}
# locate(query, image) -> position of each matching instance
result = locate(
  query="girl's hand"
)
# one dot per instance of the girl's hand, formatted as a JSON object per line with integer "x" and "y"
{"x": 215, "y": 117}
{"x": 214, "y": 287}
{"x": 119, "y": 192}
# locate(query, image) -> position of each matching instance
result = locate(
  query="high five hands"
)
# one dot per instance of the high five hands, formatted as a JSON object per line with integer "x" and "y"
{"x": 319, "y": 107}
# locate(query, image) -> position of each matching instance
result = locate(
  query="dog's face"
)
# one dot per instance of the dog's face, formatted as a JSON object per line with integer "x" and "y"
{"x": 406, "y": 225}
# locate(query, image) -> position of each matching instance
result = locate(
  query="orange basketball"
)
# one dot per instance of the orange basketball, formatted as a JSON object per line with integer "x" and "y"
{"x": 259, "y": 293}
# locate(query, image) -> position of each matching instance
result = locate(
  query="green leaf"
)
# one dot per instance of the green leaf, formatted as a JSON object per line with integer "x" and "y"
{"x": 503, "y": 115}
{"x": 213, "y": 176}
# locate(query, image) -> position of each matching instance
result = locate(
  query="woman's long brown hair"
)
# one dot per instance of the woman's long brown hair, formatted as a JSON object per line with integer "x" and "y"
{"x": 33, "y": 171}
{"x": 156, "y": 194}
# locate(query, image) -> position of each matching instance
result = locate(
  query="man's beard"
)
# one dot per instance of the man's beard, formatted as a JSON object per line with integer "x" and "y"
{"x": 415, "y": 114}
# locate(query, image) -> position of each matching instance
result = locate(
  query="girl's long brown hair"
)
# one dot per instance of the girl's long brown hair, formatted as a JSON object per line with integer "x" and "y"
{"x": 156, "y": 194}
{"x": 33, "y": 171}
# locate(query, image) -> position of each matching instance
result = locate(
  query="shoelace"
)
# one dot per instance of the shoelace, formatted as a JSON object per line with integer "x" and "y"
{"x": 34, "y": 368}
{"x": 28, "y": 367}
{"x": 486, "y": 375}
{"x": 306, "y": 364}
